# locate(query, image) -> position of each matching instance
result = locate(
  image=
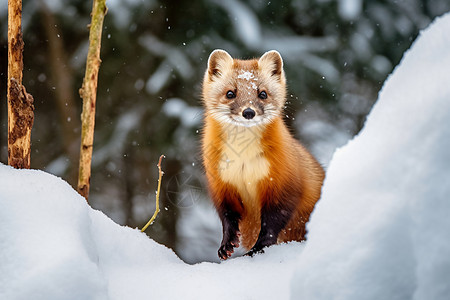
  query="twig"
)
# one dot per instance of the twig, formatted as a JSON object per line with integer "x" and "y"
{"x": 88, "y": 92}
{"x": 161, "y": 173}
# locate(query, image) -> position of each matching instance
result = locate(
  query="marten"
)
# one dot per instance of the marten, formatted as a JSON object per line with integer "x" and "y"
{"x": 263, "y": 183}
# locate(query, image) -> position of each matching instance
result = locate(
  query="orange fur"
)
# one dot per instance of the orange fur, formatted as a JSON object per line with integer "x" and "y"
{"x": 255, "y": 169}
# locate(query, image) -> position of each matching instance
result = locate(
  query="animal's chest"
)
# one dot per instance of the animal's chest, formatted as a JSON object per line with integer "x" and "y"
{"x": 242, "y": 161}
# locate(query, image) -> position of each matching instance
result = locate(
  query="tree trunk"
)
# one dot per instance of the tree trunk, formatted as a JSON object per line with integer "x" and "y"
{"x": 62, "y": 78}
{"x": 88, "y": 93}
{"x": 20, "y": 103}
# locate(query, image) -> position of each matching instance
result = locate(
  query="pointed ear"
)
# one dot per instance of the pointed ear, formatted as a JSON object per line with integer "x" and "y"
{"x": 271, "y": 62}
{"x": 218, "y": 61}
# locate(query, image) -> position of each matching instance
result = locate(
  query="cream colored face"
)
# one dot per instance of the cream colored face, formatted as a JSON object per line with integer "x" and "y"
{"x": 244, "y": 92}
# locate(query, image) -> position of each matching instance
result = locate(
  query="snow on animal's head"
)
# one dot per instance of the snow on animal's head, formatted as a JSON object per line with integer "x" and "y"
{"x": 244, "y": 92}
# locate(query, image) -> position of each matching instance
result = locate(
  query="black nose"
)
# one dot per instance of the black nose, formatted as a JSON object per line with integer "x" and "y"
{"x": 248, "y": 113}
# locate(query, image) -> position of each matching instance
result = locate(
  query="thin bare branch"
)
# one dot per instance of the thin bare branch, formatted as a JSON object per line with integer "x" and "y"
{"x": 161, "y": 173}
{"x": 88, "y": 93}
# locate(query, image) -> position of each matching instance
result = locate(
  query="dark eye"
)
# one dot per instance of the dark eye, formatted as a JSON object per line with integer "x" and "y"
{"x": 262, "y": 95}
{"x": 231, "y": 95}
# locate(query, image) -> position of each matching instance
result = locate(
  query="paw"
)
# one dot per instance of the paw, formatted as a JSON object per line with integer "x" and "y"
{"x": 260, "y": 244}
{"x": 254, "y": 251}
{"x": 227, "y": 247}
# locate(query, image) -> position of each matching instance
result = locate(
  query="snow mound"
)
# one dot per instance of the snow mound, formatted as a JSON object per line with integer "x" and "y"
{"x": 54, "y": 246}
{"x": 381, "y": 229}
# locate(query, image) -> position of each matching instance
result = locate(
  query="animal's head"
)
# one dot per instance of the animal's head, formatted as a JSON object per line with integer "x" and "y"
{"x": 244, "y": 92}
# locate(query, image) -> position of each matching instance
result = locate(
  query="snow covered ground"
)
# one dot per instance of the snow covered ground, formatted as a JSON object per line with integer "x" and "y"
{"x": 54, "y": 246}
{"x": 380, "y": 231}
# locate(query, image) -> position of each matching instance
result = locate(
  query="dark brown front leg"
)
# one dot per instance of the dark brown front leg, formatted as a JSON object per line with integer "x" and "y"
{"x": 274, "y": 217}
{"x": 230, "y": 211}
{"x": 230, "y": 224}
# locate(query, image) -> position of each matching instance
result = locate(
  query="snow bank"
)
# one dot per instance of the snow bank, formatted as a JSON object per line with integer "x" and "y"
{"x": 382, "y": 227}
{"x": 54, "y": 246}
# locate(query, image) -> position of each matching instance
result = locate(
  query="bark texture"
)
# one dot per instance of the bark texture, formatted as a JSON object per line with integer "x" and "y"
{"x": 20, "y": 103}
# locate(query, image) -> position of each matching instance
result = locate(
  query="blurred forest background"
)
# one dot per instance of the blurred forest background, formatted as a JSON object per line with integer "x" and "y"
{"x": 337, "y": 55}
